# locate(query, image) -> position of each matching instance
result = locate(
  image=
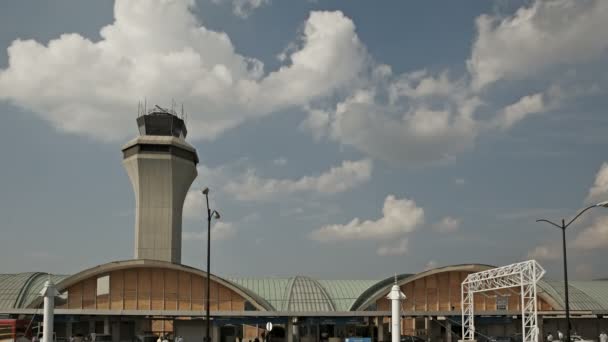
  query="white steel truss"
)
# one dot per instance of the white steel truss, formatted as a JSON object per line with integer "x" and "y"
{"x": 523, "y": 274}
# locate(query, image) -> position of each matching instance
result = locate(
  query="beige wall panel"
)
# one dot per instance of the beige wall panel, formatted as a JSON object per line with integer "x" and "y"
{"x": 75, "y": 296}
{"x": 238, "y": 303}
{"x": 144, "y": 289}
{"x": 383, "y": 304}
{"x": 130, "y": 289}
{"x": 197, "y": 293}
{"x": 89, "y": 292}
{"x": 408, "y": 290}
{"x": 157, "y": 289}
{"x": 171, "y": 290}
{"x": 431, "y": 282}
{"x": 103, "y": 302}
{"x": 432, "y": 299}
{"x": 184, "y": 291}
{"x": 225, "y": 299}
{"x": 514, "y": 301}
{"x": 116, "y": 290}
{"x": 213, "y": 304}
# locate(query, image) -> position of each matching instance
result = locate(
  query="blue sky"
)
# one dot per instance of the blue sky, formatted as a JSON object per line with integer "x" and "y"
{"x": 341, "y": 139}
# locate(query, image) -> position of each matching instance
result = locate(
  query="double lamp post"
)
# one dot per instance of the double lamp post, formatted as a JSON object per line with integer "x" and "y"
{"x": 563, "y": 226}
{"x": 210, "y": 214}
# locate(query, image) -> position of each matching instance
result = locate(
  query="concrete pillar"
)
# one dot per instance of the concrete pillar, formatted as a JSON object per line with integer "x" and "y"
{"x": 380, "y": 328}
{"x": 371, "y": 327}
{"x": 91, "y": 326}
{"x": 115, "y": 331}
{"x": 215, "y": 333}
{"x": 541, "y": 330}
{"x": 448, "y": 331}
{"x": 106, "y": 325}
{"x": 289, "y": 330}
{"x": 68, "y": 330}
{"x": 48, "y": 292}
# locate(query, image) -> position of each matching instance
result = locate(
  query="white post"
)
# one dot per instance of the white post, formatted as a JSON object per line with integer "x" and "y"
{"x": 49, "y": 292}
{"x": 395, "y": 296}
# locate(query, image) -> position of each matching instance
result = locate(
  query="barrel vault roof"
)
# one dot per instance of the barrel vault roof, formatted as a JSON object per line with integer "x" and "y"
{"x": 20, "y": 289}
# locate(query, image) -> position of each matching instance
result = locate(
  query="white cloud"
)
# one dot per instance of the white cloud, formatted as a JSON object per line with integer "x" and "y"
{"x": 399, "y": 217}
{"x": 90, "y": 87}
{"x": 399, "y": 248}
{"x": 595, "y": 236}
{"x": 544, "y": 252}
{"x": 599, "y": 190}
{"x": 459, "y": 181}
{"x": 447, "y": 225}
{"x": 395, "y": 134}
{"x": 244, "y": 8}
{"x": 219, "y": 231}
{"x": 517, "y": 111}
{"x": 194, "y": 206}
{"x": 337, "y": 179}
{"x": 537, "y": 37}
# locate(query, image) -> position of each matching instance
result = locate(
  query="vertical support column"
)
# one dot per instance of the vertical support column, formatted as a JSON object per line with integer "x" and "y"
{"x": 380, "y": 328}
{"x": 215, "y": 333}
{"x": 49, "y": 292}
{"x": 68, "y": 330}
{"x": 448, "y": 331}
{"x": 92, "y": 326}
{"x": 395, "y": 296}
{"x": 370, "y": 320}
{"x": 106, "y": 325}
{"x": 289, "y": 329}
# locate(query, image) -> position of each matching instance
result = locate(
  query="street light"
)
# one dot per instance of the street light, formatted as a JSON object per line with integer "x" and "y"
{"x": 563, "y": 227}
{"x": 216, "y": 215}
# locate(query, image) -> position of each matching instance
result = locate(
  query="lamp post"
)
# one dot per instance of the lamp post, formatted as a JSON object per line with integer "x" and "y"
{"x": 563, "y": 227}
{"x": 215, "y": 215}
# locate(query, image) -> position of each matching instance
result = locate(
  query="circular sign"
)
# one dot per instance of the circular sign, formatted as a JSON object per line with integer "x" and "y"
{"x": 269, "y": 326}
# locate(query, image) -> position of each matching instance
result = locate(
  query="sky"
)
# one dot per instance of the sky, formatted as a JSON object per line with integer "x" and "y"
{"x": 340, "y": 139}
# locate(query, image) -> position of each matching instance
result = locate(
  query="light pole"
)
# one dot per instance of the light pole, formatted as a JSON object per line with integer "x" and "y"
{"x": 563, "y": 227}
{"x": 215, "y": 215}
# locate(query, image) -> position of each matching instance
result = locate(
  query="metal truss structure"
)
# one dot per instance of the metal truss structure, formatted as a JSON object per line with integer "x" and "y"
{"x": 523, "y": 274}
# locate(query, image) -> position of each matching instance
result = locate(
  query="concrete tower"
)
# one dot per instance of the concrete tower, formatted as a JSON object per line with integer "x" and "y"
{"x": 161, "y": 166}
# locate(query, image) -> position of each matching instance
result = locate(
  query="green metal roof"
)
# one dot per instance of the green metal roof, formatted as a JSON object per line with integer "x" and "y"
{"x": 584, "y": 295}
{"x": 305, "y": 294}
{"x": 344, "y": 293}
{"x": 19, "y": 290}
{"x": 272, "y": 290}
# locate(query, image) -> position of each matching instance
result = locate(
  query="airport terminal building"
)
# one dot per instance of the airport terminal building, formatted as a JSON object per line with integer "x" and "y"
{"x": 155, "y": 294}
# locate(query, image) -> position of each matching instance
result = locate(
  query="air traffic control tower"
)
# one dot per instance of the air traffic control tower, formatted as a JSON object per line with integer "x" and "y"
{"x": 161, "y": 166}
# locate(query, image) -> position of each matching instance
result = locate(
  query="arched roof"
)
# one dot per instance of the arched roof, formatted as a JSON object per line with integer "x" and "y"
{"x": 382, "y": 287}
{"x": 305, "y": 294}
{"x": 19, "y": 290}
{"x": 65, "y": 283}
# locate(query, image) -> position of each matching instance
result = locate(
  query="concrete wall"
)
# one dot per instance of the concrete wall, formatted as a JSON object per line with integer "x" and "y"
{"x": 160, "y": 183}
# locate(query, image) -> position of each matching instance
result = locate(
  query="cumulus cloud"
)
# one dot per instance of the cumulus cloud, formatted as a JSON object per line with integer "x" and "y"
{"x": 219, "y": 231}
{"x": 399, "y": 248}
{"x": 544, "y": 252}
{"x": 92, "y": 87}
{"x": 244, "y": 8}
{"x": 517, "y": 111}
{"x": 599, "y": 190}
{"x": 348, "y": 175}
{"x": 447, "y": 225}
{"x": 399, "y": 217}
{"x": 547, "y": 33}
{"x": 594, "y": 236}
